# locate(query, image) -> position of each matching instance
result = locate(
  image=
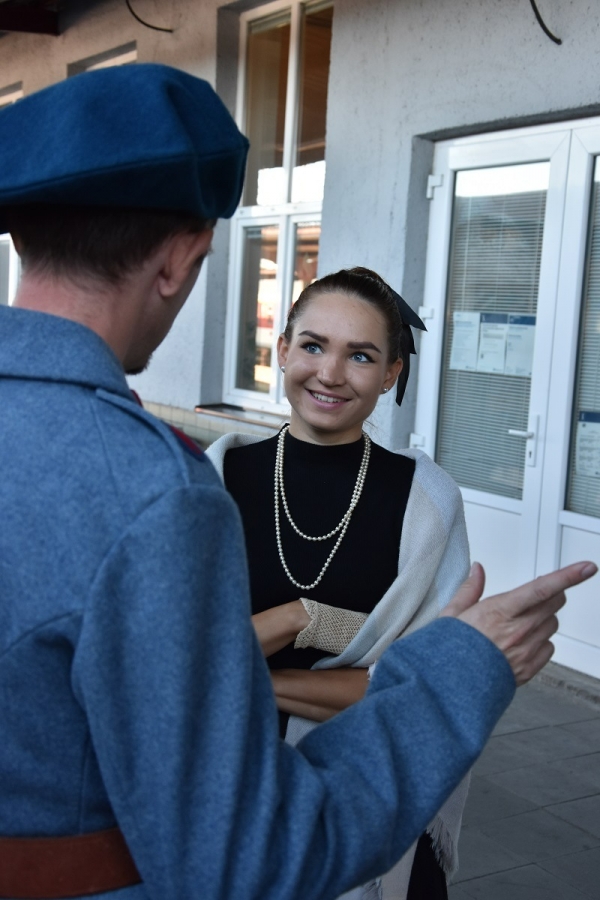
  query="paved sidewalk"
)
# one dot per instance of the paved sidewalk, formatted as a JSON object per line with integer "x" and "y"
{"x": 531, "y": 829}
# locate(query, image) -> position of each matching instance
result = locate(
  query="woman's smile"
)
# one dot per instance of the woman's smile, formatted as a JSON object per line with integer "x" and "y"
{"x": 328, "y": 399}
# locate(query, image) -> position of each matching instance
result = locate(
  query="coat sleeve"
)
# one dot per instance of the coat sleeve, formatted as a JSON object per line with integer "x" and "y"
{"x": 184, "y": 724}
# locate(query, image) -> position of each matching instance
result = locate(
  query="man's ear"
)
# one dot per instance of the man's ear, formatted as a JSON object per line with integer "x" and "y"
{"x": 182, "y": 253}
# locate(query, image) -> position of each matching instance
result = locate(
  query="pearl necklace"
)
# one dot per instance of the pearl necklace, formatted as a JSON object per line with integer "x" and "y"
{"x": 342, "y": 527}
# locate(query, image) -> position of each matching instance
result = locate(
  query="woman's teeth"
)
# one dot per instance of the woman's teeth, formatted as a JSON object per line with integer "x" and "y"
{"x": 325, "y": 399}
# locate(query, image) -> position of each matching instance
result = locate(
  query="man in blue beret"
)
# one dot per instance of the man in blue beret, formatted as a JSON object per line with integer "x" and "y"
{"x": 139, "y": 749}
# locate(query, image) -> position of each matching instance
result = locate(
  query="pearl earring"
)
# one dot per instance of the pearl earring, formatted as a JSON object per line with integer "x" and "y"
{"x": 282, "y": 368}
{"x": 385, "y": 390}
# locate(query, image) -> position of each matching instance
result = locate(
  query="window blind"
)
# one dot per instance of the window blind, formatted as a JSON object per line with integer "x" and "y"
{"x": 583, "y": 484}
{"x": 494, "y": 267}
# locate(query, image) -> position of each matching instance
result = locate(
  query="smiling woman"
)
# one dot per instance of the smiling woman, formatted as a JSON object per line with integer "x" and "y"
{"x": 337, "y": 364}
{"x": 349, "y": 545}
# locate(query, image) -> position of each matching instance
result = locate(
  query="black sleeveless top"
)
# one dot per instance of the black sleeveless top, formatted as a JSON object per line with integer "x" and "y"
{"x": 319, "y": 481}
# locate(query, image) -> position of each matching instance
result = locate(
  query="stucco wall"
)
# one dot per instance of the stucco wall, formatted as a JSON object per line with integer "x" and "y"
{"x": 404, "y": 68}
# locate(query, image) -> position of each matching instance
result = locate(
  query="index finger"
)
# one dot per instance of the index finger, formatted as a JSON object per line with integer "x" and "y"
{"x": 544, "y": 587}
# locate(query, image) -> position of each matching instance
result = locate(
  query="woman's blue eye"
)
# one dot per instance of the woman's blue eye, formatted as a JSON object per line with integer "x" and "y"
{"x": 359, "y": 356}
{"x": 311, "y": 347}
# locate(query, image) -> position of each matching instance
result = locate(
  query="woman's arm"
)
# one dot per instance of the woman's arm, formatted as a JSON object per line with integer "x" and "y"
{"x": 315, "y": 625}
{"x": 279, "y": 626}
{"x": 318, "y": 694}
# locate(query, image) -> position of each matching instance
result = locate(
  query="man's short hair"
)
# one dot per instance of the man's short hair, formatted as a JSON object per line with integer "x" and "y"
{"x": 106, "y": 244}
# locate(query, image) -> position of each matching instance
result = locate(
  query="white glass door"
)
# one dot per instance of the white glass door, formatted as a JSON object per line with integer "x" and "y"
{"x": 492, "y": 274}
{"x": 509, "y": 374}
{"x": 569, "y": 527}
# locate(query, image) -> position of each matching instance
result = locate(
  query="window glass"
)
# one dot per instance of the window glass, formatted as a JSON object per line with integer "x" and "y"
{"x": 583, "y": 491}
{"x": 308, "y": 176}
{"x": 495, "y": 255}
{"x": 268, "y": 50}
{"x": 306, "y": 257}
{"x": 259, "y": 301}
{"x": 287, "y": 62}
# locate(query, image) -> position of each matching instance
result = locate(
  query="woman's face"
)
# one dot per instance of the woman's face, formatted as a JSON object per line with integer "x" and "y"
{"x": 336, "y": 367}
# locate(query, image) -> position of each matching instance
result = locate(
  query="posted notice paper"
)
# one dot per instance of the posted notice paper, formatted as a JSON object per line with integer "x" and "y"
{"x": 465, "y": 341}
{"x": 519, "y": 345}
{"x": 587, "y": 444}
{"x": 493, "y": 332}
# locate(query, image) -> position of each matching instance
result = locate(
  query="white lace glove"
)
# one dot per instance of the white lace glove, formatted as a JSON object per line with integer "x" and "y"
{"x": 330, "y": 629}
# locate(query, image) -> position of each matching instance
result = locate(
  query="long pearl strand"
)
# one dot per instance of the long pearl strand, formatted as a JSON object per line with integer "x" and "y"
{"x": 342, "y": 527}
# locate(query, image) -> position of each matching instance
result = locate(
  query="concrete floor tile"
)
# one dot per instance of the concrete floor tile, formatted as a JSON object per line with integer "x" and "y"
{"x": 588, "y": 731}
{"x": 580, "y": 870}
{"x": 552, "y": 742}
{"x": 526, "y": 883}
{"x": 478, "y": 855}
{"x": 545, "y": 753}
{"x": 536, "y": 706}
{"x": 549, "y": 782}
{"x": 500, "y": 755}
{"x": 584, "y": 813}
{"x": 588, "y": 766}
{"x": 455, "y": 892}
{"x": 487, "y": 802}
{"x": 537, "y": 835}
{"x": 523, "y": 748}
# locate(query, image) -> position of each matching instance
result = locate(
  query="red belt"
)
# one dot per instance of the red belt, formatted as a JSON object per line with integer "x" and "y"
{"x": 50, "y": 867}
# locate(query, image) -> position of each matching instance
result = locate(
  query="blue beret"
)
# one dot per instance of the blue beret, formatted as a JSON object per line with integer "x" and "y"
{"x": 145, "y": 136}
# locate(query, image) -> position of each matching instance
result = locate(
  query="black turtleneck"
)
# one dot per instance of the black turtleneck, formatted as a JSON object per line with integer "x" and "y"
{"x": 319, "y": 481}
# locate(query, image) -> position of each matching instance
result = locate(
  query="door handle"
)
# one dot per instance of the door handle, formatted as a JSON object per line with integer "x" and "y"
{"x": 530, "y": 436}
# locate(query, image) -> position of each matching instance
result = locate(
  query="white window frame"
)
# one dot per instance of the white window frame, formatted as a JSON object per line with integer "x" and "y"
{"x": 286, "y": 215}
{"x": 14, "y": 268}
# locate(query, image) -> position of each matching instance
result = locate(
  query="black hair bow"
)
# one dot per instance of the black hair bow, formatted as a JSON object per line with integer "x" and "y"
{"x": 409, "y": 318}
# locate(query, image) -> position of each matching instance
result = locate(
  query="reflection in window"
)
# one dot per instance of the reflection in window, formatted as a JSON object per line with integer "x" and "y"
{"x": 268, "y": 58}
{"x": 306, "y": 257}
{"x": 259, "y": 301}
{"x": 308, "y": 177}
{"x": 286, "y": 75}
{"x": 266, "y": 86}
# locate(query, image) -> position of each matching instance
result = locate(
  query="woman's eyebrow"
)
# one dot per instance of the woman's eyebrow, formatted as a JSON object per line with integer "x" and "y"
{"x": 362, "y": 345}
{"x": 352, "y": 345}
{"x": 317, "y": 337}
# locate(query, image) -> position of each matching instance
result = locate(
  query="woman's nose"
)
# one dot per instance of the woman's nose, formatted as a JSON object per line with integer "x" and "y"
{"x": 331, "y": 371}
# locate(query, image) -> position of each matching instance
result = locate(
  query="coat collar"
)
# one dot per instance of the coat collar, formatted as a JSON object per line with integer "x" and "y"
{"x": 42, "y": 347}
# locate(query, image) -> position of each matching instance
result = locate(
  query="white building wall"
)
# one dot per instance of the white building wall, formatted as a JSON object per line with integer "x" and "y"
{"x": 402, "y": 69}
